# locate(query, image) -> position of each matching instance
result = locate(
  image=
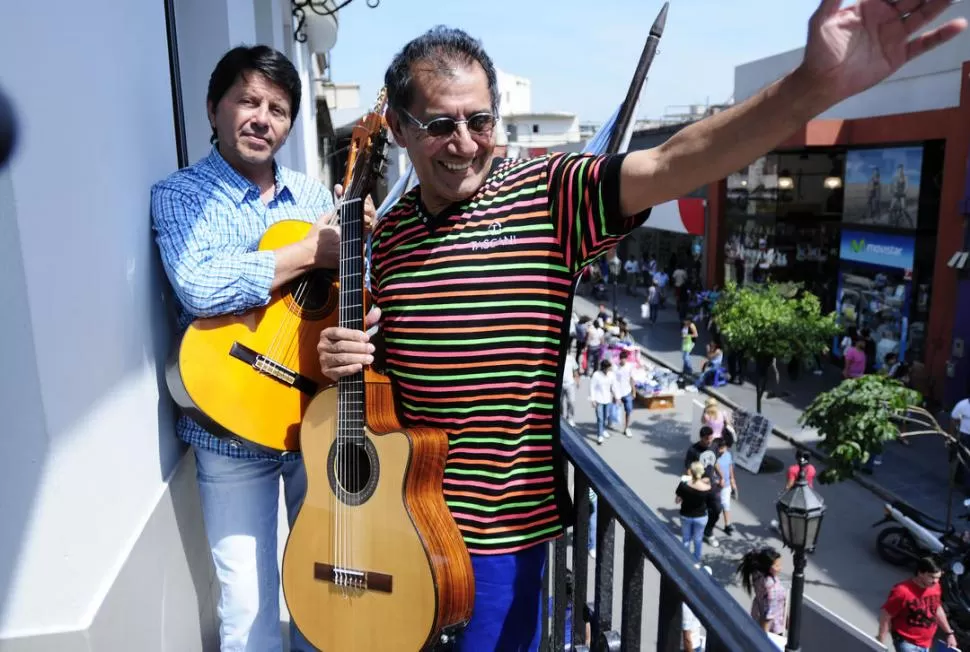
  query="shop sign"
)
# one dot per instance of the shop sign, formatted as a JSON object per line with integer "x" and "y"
{"x": 882, "y": 249}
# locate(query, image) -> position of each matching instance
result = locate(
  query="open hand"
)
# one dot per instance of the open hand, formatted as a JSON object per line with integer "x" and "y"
{"x": 852, "y": 49}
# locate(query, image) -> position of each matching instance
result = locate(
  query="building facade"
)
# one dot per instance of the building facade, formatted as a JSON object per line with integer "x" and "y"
{"x": 102, "y": 545}
{"x": 863, "y": 205}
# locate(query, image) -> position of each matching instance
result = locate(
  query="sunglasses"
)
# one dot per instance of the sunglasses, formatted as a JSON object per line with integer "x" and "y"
{"x": 479, "y": 123}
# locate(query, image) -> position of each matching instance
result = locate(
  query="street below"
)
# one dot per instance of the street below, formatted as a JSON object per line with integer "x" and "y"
{"x": 845, "y": 574}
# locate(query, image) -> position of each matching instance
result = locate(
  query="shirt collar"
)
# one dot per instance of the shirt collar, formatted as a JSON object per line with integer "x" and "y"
{"x": 238, "y": 185}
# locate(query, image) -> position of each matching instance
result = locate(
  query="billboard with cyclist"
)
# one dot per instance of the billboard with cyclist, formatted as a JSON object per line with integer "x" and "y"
{"x": 882, "y": 186}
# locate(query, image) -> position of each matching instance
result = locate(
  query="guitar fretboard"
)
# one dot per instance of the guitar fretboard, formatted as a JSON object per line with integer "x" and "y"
{"x": 350, "y": 389}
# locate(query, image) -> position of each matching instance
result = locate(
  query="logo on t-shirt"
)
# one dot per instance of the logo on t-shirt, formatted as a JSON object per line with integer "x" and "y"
{"x": 708, "y": 458}
{"x": 494, "y": 239}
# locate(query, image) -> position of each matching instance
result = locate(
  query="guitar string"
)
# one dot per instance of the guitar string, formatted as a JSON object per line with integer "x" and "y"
{"x": 288, "y": 334}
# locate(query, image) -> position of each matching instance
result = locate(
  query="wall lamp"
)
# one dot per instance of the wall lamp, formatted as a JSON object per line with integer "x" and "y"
{"x": 323, "y": 9}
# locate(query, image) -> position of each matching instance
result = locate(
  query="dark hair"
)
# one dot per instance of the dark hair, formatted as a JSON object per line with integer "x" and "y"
{"x": 259, "y": 58}
{"x": 605, "y": 364}
{"x": 754, "y": 563}
{"x": 443, "y": 49}
{"x": 801, "y": 454}
{"x": 927, "y": 565}
{"x": 706, "y": 431}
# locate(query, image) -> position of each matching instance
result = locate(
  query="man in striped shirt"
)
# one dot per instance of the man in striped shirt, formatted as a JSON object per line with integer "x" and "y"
{"x": 472, "y": 273}
{"x": 208, "y": 220}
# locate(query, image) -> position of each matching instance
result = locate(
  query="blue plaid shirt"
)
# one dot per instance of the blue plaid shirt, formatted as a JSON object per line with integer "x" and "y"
{"x": 208, "y": 220}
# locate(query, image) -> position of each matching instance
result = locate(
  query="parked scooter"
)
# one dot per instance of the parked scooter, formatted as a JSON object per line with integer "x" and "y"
{"x": 917, "y": 534}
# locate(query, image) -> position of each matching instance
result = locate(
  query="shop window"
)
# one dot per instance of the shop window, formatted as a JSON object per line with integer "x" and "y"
{"x": 535, "y": 129}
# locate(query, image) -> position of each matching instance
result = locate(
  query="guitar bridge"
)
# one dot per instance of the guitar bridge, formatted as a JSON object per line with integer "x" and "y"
{"x": 353, "y": 578}
{"x": 272, "y": 369}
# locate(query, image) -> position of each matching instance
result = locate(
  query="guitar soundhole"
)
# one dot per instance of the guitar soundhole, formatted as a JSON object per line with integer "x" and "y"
{"x": 313, "y": 295}
{"x": 353, "y": 469}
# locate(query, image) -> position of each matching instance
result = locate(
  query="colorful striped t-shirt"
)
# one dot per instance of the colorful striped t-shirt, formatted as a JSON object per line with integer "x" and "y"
{"x": 475, "y": 301}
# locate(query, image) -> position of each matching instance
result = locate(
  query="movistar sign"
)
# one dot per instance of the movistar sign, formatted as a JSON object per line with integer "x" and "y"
{"x": 881, "y": 249}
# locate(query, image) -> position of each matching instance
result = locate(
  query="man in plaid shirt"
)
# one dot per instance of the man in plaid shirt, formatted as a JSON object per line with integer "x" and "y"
{"x": 208, "y": 219}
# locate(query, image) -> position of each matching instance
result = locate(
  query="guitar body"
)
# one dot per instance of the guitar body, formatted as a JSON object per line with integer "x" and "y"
{"x": 218, "y": 378}
{"x": 419, "y": 583}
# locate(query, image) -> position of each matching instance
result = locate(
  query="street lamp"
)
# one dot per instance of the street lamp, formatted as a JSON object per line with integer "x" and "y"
{"x": 800, "y": 512}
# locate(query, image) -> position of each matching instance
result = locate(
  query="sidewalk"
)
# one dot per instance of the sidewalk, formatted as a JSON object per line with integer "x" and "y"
{"x": 916, "y": 473}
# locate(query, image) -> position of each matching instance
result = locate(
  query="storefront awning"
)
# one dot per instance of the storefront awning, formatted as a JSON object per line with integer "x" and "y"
{"x": 680, "y": 216}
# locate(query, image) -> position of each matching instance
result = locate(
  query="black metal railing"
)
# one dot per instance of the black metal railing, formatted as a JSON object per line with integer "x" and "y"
{"x": 729, "y": 627}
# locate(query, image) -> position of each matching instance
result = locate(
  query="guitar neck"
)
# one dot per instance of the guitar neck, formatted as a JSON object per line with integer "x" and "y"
{"x": 350, "y": 389}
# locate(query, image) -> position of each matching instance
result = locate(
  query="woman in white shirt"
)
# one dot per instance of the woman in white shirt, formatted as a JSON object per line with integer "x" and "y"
{"x": 601, "y": 393}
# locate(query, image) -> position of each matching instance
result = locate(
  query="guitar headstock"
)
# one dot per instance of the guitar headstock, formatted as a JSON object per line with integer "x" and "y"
{"x": 366, "y": 158}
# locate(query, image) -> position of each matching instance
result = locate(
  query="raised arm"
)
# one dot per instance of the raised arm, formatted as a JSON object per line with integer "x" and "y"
{"x": 848, "y": 51}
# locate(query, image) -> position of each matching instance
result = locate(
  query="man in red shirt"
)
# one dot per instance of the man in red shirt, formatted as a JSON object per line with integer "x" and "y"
{"x": 913, "y": 610}
{"x": 801, "y": 458}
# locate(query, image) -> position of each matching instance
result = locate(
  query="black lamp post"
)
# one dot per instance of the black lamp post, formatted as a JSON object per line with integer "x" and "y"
{"x": 800, "y": 512}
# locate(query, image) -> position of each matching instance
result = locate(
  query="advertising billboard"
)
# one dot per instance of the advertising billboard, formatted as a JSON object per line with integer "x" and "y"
{"x": 882, "y": 187}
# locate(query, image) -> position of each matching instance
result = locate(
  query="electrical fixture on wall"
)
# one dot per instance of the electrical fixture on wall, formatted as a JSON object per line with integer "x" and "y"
{"x": 315, "y": 22}
{"x": 785, "y": 181}
{"x": 834, "y": 180}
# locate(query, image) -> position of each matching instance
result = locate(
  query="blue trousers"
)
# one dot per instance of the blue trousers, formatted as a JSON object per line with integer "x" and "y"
{"x": 507, "y": 616}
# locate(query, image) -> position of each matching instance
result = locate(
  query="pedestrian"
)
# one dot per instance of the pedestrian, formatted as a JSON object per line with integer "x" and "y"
{"x": 570, "y": 382}
{"x": 728, "y": 487}
{"x": 582, "y": 331}
{"x": 595, "y": 343}
{"x": 802, "y": 459}
{"x": 624, "y": 388}
{"x": 760, "y": 572}
{"x": 694, "y": 494}
{"x": 712, "y": 365}
{"x": 703, "y": 451}
{"x": 855, "y": 360}
{"x": 688, "y": 334}
{"x": 716, "y": 418}
{"x": 694, "y": 635}
{"x": 601, "y": 394}
{"x": 653, "y": 301}
{"x": 960, "y": 428}
{"x": 914, "y": 610}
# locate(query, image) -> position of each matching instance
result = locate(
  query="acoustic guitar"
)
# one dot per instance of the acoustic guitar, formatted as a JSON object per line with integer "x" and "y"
{"x": 250, "y": 377}
{"x": 374, "y": 560}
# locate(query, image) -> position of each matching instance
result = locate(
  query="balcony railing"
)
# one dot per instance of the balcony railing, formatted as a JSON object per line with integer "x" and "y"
{"x": 729, "y": 627}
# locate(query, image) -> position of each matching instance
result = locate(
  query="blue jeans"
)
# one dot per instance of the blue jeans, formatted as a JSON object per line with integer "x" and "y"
{"x": 602, "y": 414}
{"x": 906, "y": 646}
{"x": 508, "y": 602}
{"x": 685, "y": 355}
{"x": 240, "y": 505}
{"x": 708, "y": 375}
{"x": 692, "y": 530}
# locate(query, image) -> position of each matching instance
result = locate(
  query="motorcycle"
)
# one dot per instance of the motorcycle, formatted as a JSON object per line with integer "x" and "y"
{"x": 917, "y": 535}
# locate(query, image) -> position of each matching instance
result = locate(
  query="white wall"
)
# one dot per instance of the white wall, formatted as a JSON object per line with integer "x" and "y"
{"x": 515, "y": 93}
{"x": 88, "y": 445}
{"x": 553, "y": 129}
{"x": 84, "y": 462}
{"x": 930, "y": 82}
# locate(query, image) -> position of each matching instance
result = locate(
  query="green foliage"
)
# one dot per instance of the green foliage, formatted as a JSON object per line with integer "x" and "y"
{"x": 855, "y": 419}
{"x": 774, "y": 321}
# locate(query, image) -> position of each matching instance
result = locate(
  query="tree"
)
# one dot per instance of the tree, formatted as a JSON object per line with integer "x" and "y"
{"x": 773, "y": 321}
{"x": 858, "y": 417}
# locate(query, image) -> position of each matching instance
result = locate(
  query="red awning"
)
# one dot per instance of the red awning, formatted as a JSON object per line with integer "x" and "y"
{"x": 680, "y": 216}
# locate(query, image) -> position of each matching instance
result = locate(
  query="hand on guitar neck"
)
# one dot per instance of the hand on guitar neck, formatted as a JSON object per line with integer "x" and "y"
{"x": 319, "y": 249}
{"x": 344, "y": 351}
